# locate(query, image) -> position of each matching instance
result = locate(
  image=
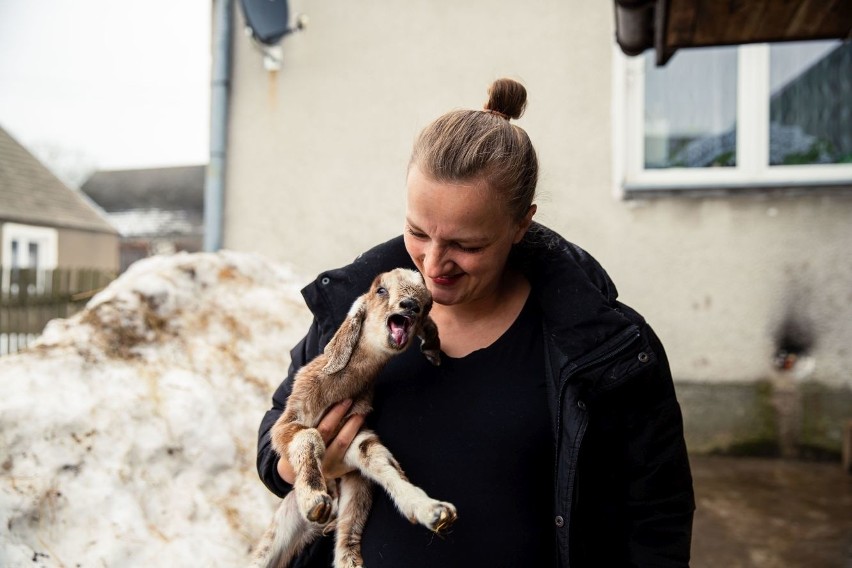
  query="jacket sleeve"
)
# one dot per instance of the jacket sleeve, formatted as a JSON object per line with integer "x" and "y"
{"x": 660, "y": 499}
{"x": 267, "y": 458}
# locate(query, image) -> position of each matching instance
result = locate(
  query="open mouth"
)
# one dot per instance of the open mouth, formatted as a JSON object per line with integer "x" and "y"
{"x": 399, "y": 326}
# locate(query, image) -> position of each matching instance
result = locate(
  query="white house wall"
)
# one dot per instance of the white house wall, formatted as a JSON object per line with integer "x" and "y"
{"x": 318, "y": 153}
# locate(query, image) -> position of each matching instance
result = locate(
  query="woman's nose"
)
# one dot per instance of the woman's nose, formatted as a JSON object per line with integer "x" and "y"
{"x": 434, "y": 260}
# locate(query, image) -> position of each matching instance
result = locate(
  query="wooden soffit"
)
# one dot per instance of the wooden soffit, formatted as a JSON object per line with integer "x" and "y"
{"x": 669, "y": 25}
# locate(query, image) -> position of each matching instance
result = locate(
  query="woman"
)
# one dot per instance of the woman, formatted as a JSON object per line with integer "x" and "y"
{"x": 552, "y": 423}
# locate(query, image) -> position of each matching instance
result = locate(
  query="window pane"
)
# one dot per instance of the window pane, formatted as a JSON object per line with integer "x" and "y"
{"x": 809, "y": 105}
{"x": 691, "y": 109}
{"x": 33, "y": 250}
{"x": 15, "y": 260}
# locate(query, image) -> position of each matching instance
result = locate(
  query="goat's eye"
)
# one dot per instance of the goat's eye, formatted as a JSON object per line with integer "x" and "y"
{"x": 381, "y": 291}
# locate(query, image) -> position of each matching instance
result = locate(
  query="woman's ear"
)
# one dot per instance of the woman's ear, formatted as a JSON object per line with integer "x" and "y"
{"x": 524, "y": 224}
{"x": 339, "y": 349}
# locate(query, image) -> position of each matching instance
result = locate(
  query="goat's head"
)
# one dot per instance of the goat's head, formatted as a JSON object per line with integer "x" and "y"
{"x": 389, "y": 316}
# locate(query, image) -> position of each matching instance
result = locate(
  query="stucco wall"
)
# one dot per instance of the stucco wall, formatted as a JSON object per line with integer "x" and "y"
{"x": 318, "y": 153}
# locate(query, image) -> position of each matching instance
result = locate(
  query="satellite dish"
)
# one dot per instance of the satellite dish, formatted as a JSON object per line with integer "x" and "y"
{"x": 269, "y": 20}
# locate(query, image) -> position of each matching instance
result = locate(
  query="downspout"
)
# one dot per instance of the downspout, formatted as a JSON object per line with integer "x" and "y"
{"x": 220, "y": 84}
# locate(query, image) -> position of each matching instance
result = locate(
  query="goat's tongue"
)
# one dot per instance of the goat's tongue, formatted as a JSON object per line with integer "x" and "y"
{"x": 399, "y": 331}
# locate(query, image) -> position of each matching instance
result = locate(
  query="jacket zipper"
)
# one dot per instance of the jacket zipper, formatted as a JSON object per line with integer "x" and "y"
{"x": 624, "y": 340}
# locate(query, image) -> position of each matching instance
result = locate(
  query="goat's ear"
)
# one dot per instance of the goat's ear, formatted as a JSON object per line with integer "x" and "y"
{"x": 339, "y": 349}
{"x": 431, "y": 345}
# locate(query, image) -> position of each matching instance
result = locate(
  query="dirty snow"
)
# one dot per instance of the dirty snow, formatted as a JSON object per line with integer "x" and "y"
{"x": 128, "y": 432}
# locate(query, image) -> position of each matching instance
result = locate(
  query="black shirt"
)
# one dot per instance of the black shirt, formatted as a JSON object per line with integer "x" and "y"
{"x": 476, "y": 432}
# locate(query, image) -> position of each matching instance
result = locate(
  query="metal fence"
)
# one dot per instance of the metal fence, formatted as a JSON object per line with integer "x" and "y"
{"x": 30, "y": 298}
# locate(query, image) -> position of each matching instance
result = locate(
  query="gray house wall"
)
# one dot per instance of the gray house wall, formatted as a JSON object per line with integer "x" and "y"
{"x": 87, "y": 249}
{"x": 316, "y": 170}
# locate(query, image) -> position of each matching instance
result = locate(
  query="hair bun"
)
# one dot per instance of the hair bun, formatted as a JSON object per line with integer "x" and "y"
{"x": 506, "y": 97}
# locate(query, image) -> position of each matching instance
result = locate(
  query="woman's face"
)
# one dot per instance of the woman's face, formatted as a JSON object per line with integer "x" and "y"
{"x": 459, "y": 236}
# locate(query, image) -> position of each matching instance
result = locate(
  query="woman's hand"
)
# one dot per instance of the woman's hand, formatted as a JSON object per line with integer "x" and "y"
{"x": 335, "y": 445}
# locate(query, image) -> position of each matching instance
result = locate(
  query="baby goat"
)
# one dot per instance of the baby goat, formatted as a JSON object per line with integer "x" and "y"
{"x": 381, "y": 323}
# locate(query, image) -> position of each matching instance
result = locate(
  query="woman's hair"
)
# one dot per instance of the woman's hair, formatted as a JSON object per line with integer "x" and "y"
{"x": 481, "y": 144}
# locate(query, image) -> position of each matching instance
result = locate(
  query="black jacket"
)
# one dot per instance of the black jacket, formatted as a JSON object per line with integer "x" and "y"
{"x": 622, "y": 483}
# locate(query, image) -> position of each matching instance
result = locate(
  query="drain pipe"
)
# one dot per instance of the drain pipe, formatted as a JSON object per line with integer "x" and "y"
{"x": 220, "y": 85}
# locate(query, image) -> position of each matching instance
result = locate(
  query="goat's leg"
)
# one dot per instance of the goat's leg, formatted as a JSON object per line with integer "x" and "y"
{"x": 305, "y": 452}
{"x": 356, "y": 496}
{"x": 375, "y": 462}
{"x": 286, "y": 536}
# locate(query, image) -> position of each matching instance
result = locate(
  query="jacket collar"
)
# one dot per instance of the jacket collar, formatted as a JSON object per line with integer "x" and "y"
{"x": 576, "y": 297}
{"x": 330, "y": 296}
{"x": 578, "y": 300}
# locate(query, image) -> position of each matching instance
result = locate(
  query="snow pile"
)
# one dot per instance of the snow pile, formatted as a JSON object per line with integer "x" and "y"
{"x": 128, "y": 432}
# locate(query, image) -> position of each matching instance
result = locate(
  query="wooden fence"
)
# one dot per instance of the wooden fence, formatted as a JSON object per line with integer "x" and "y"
{"x": 30, "y": 298}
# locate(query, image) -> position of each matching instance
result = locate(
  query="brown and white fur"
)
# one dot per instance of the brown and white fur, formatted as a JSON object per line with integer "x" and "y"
{"x": 381, "y": 323}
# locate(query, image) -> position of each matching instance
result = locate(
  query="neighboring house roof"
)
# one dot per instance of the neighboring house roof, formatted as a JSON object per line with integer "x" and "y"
{"x": 30, "y": 193}
{"x": 147, "y": 223}
{"x": 174, "y": 188}
{"x": 154, "y": 202}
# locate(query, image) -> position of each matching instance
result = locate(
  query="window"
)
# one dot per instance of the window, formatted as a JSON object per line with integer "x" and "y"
{"x": 675, "y": 135}
{"x": 27, "y": 246}
{"x": 810, "y": 103}
{"x": 726, "y": 117}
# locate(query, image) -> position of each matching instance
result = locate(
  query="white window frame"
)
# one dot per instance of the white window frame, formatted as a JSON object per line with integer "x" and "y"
{"x": 47, "y": 240}
{"x": 752, "y": 169}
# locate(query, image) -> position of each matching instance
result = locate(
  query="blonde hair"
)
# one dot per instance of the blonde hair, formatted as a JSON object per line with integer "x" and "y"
{"x": 482, "y": 144}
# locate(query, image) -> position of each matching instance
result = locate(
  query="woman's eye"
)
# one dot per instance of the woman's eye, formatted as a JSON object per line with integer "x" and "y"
{"x": 469, "y": 249}
{"x": 381, "y": 291}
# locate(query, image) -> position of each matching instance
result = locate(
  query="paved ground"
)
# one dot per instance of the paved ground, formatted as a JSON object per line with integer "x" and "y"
{"x": 766, "y": 513}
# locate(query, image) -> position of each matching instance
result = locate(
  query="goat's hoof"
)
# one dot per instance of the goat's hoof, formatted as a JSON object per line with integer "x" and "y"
{"x": 330, "y": 526}
{"x": 321, "y": 511}
{"x": 433, "y": 356}
{"x": 442, "y": 516}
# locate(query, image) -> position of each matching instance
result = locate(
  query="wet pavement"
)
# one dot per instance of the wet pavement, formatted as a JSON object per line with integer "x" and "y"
{"x": 767, "y": 513}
